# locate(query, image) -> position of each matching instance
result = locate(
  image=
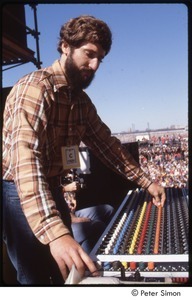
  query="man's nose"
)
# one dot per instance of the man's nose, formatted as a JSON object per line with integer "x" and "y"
{"x": 94, "y": 64}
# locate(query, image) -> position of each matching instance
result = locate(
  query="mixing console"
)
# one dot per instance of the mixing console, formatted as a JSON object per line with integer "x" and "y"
{"x": 144, "y": 242}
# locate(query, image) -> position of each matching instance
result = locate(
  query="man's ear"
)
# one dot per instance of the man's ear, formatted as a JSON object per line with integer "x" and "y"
{"x": 65, "y": 48}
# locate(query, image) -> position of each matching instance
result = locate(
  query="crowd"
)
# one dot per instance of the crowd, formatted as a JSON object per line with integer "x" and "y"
{"x": 166, "y": 160}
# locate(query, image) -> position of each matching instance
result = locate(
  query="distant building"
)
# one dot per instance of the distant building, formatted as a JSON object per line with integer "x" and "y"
{"x": 142, "y": 138}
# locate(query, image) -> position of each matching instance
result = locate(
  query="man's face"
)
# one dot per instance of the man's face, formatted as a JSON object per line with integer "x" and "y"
{"x": 81, "y": 64}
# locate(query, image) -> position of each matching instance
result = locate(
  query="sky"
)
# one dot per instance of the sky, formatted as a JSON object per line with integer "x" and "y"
{"x": 143, "y": 82}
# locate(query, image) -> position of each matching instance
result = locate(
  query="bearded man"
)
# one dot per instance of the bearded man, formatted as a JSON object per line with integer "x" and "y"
{"x": 47, "y": 114}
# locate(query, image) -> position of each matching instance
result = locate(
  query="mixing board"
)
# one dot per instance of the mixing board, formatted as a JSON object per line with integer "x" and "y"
{"x": 144, "y": 242}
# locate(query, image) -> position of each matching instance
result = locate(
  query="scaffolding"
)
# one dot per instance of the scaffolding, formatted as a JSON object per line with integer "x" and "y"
{"x": 14, "y": 37}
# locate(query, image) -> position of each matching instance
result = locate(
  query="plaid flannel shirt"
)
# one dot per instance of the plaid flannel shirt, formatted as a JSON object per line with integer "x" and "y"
{"x": 42, "y": 114}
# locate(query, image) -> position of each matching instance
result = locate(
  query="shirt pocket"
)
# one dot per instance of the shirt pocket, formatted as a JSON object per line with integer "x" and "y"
{"x": 52, "y": 140}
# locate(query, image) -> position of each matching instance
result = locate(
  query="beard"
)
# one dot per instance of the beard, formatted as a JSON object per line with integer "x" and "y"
{"x": 78, "y": 78}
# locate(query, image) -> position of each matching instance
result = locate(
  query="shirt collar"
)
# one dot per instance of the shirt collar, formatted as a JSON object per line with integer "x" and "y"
{"x": 58, "y": 78}
{"x": 58, "y": 75}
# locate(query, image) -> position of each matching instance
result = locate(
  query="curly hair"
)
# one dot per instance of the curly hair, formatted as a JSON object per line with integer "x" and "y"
{"x": 85, "y": 29}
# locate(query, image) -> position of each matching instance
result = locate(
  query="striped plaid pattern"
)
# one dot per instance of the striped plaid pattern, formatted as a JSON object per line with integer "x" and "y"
{"x": 41, "y": 115}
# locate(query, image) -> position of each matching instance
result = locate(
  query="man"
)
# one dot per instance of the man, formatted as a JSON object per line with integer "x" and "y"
{"x": 47, "y": 114}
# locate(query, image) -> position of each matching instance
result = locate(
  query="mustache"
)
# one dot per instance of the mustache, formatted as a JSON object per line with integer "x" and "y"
{"x": 88, "y": 71}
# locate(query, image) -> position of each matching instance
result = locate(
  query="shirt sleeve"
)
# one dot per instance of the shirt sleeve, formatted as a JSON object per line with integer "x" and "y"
{"x": 30, "y": 113}
{"x": 110, "y": 150}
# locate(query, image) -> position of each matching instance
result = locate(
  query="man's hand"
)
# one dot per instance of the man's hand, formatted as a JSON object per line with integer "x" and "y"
{"x": 158, "y": 194}
{"x": 66, "y": 252}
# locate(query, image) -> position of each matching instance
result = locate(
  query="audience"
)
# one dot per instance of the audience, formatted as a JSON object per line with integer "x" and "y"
{"x": 166, "y": 160}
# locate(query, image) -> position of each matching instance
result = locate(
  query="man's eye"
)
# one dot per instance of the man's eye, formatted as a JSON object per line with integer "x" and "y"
{"x": 90, "y": 54}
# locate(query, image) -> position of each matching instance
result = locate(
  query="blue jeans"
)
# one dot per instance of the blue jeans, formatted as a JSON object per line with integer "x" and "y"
{"x": 32, "y": 260}
{"x": 88, "y": 233}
